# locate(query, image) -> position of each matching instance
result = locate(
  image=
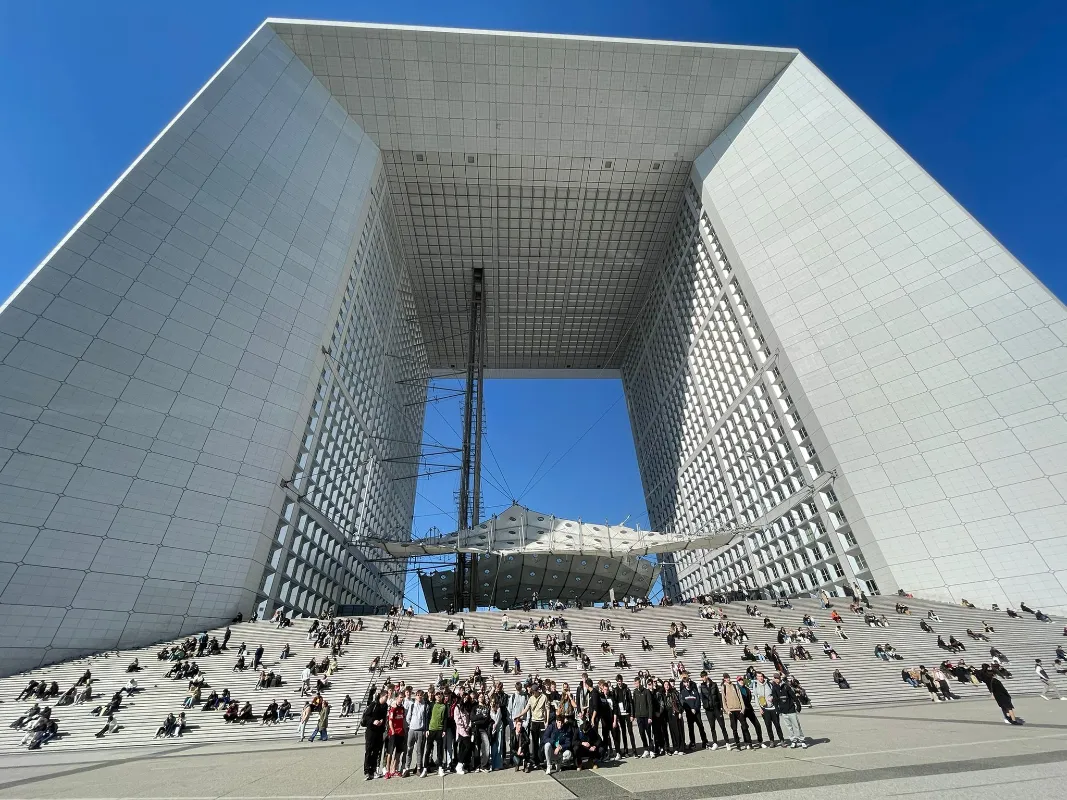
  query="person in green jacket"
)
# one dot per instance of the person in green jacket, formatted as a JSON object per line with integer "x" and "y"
{"x": 322, "y": 724}
{"x": 435, "y": 731}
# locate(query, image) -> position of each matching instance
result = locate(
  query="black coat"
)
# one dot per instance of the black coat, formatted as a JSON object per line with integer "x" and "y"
{"x": 623, "y": 700}
{"x": 785, "y": 699}
{"x": 643, "y": 703}
{"x": 374, "y": 712}
{"x": 1000, "y": 692}
{"x": 520, "y": 741}
{"x": 710, "y": 698}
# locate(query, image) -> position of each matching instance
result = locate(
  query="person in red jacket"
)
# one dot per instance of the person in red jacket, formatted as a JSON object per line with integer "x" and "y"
{"x": 396, "y": 732}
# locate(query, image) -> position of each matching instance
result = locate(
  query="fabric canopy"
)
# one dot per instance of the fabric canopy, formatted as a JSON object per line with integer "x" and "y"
{"x": 519, "y": 530}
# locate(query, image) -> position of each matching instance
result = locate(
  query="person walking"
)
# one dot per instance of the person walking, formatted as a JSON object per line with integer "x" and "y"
{"x": 305, "y": 715}
{"x": 1046, "y": 682}
{"x": 322, "y": 724}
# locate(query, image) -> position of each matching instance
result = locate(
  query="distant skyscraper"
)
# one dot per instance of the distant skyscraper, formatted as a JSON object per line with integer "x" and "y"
{"x": 212, "y": 386}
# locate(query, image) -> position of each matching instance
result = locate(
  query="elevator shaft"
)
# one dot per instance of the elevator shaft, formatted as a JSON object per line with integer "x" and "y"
{"x": 469, "y": 511}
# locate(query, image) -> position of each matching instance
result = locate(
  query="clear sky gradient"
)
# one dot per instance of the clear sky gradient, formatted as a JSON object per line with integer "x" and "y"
{"x": 975, "y": 91}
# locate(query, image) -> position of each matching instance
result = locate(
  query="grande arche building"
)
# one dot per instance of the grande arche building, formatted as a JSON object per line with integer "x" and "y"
{"x": 214, "y": 381}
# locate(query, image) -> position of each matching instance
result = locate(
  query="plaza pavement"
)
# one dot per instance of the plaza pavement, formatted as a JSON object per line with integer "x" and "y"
{"x": 959, "y": 749}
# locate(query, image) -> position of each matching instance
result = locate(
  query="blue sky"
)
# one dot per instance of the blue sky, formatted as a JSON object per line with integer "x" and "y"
{"x": 976, "y": 91}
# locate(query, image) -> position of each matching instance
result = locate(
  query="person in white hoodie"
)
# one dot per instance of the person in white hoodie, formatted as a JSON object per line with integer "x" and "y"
{"x": 763, "y": 693}
{"x": 417, "y": 714}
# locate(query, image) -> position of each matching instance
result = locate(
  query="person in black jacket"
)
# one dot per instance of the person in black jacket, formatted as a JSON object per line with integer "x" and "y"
{"x": 374, "y": 733}
{"x": 602, "y": 716}
{"x": 712, "y": 702}
{"x": 788, "y": 706}
{"x": 623, "y": 702}
{"x": 659, "y": 717}
{"x": 674, "y": 717}
{"x": 521, "y": 752}
{"x": 643, "y": 705}
{"x": 690, "y": 695}
{"x": 750, "y": 715}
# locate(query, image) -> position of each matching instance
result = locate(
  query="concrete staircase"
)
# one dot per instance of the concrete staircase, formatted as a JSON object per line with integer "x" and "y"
{"x": 873, "y": 681}
{"x": 157, "y": 696}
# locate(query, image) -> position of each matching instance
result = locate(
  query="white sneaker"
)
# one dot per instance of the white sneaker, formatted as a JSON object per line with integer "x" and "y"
{"x": 804, "y": 745}
{"x": 714, "y": 745}
{"x": 460, "y": 770}
{"x": 548, "y": 770}
{"x": 441, "y": 772}
{"x": 422, "y": 774}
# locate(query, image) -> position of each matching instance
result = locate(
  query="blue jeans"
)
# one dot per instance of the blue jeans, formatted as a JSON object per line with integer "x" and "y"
{"x": 498, "y": 747}
{"x": 321, "y": 732}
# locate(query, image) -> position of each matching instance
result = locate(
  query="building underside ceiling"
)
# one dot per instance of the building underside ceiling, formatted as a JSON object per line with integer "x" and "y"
{"x": 557, "y": 164}
{"x": 508, "y": 581}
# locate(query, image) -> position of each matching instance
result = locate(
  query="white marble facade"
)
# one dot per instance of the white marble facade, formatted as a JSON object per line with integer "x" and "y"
{"x": 247, "y": 305}
{"x": 927, "y": 366}
{"x": 159, "y": 367}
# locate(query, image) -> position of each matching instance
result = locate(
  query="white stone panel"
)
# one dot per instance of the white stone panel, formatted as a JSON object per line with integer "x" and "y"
{"x": 956, "y": 346}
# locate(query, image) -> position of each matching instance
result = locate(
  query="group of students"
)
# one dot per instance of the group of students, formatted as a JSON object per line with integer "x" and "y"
{"x": 478, "y": 726}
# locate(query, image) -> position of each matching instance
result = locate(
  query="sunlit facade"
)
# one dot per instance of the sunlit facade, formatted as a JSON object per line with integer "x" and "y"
{"x": 212, "y": 388}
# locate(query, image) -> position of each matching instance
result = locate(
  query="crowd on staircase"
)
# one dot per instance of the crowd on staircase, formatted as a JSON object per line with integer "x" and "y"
{"x": 459, "y": 722}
